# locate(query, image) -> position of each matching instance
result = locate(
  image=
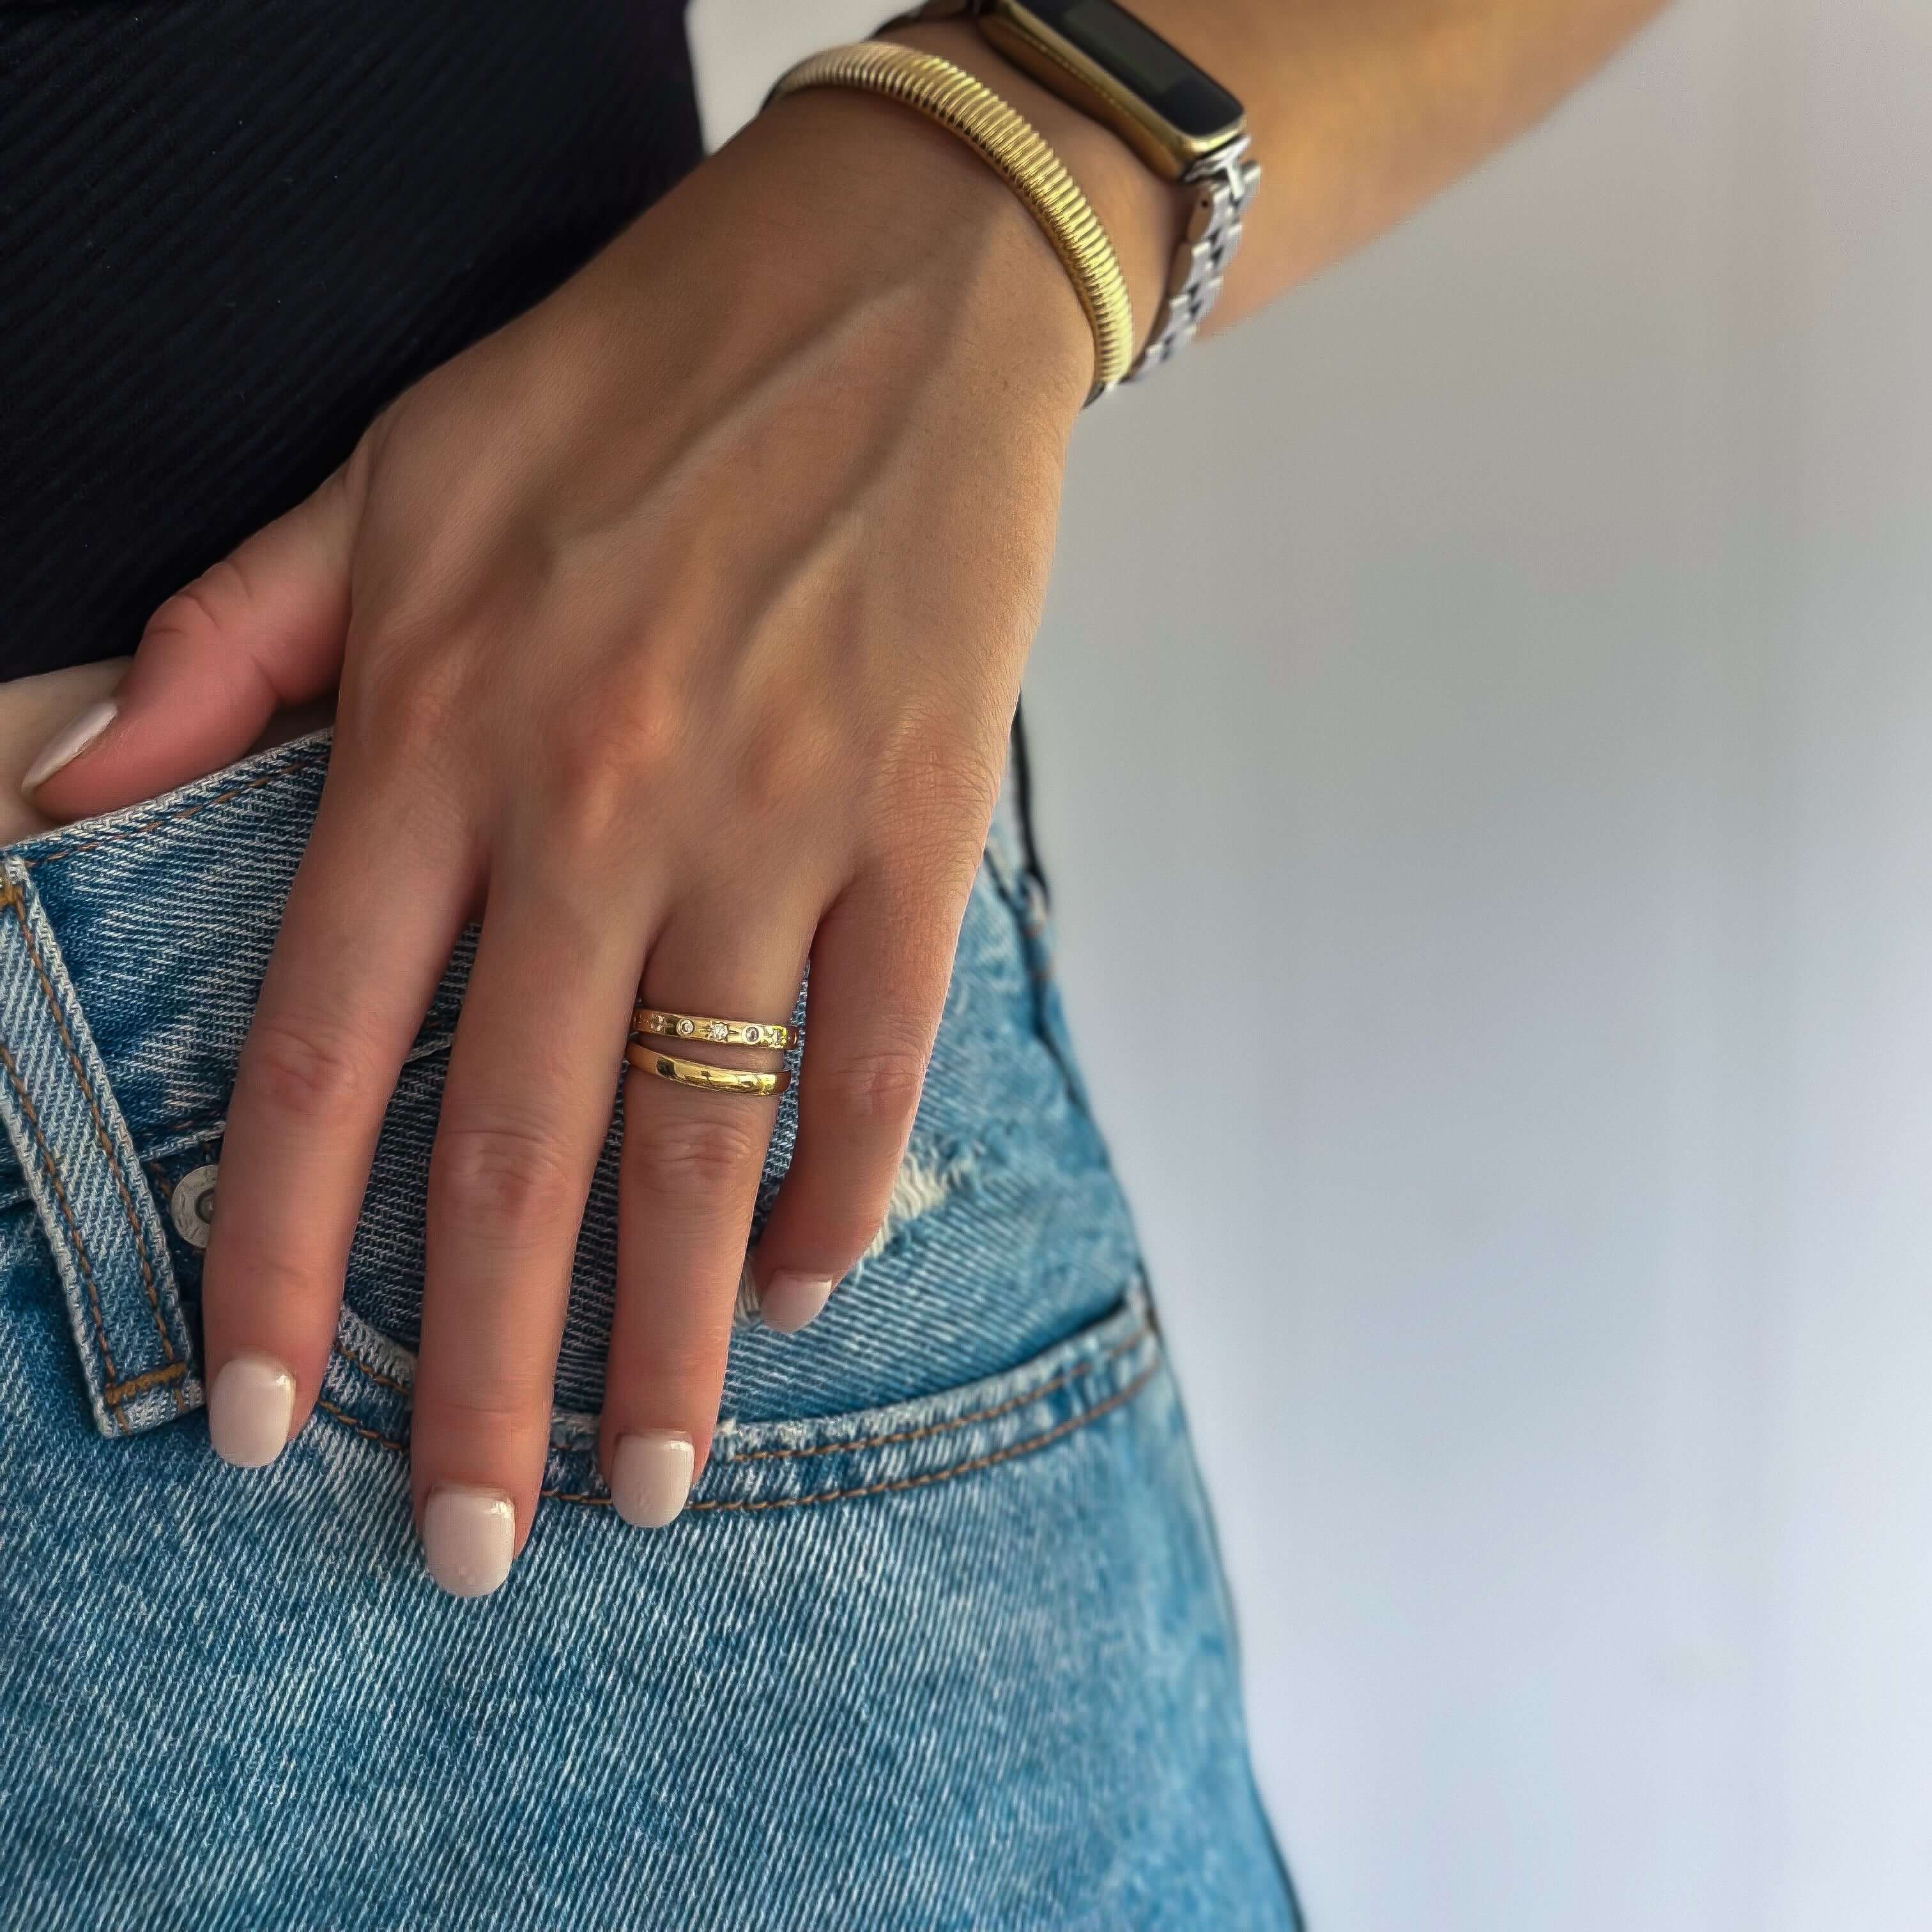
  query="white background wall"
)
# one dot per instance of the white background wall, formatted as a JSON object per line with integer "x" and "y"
{"x": 1497, "y": 686}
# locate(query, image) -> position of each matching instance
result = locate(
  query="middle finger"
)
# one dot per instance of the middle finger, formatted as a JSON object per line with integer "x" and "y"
{"x": 526, "y": 1107}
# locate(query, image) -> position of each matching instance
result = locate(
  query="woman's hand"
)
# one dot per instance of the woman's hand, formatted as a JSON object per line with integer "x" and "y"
{"x": 679, "y": 626}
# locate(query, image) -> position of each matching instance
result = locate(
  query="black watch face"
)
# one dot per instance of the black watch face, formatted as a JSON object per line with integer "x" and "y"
{"x": 1171, "y": 85}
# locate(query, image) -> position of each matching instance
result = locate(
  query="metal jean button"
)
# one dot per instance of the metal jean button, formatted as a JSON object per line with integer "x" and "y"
{"x": 191, "y": 1206}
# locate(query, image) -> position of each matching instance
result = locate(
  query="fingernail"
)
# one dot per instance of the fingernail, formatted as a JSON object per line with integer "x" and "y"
{"x": 650, "y": 1478}
{"x": 468, "y": 1536}
{"x": 788, "y": 1301}
{"x": 249, "y": 1404}
{"x": 68, "y": 743}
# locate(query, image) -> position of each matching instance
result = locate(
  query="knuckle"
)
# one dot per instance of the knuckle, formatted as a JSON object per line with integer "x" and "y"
{"x": 206, "y": 608}
{"x": 622, "y": 731}
{"x": 307, "y": 1071}
{"x": 679, "y": 1380}
{"x": 407, "y": 698}
{"x": 829, "y": 1236}
{"x": 599, "y": 760}
{"x": 489, "y": 1410}
{"x": 926, "y": 885}
{"x": 693, "y": 1157}
{"x": 586, "y": 813}
{"x": 507, "y": 1179}
{"x": 790, "y": 764}
{"x": 882, "y": 1085}
{"x": 926, "y": 772}
{"x": 256, "y": 1295}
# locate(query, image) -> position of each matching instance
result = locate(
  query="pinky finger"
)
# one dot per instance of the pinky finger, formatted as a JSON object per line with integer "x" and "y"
{"x": 879, "y": 968}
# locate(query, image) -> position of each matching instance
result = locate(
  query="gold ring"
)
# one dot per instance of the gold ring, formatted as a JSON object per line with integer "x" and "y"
{"x": 719, "y": 1033}
{"x": 702, "y": 1073}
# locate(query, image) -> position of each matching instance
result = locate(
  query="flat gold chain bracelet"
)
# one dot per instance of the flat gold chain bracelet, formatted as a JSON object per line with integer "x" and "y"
{"x": 1010, "y": 144}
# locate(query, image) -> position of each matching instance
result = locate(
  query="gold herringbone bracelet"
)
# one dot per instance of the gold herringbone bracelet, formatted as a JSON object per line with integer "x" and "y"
{"x": 1014, "y": 147}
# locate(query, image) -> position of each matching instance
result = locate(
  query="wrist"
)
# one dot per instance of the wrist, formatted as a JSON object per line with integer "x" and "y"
{"x": 879, "y": 193}
{"x": 1144, "y": 216}
{"x": 835, "y": 223}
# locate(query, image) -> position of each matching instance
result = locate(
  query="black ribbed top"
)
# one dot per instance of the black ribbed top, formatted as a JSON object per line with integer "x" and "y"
{"x": 231, "y": 229}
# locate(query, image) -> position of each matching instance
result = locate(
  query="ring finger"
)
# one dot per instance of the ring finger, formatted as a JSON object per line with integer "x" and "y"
{"x": 689, "y": 1181}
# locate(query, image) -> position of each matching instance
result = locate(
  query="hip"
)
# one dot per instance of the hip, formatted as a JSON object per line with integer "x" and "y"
{"x": 941, "y": 1640}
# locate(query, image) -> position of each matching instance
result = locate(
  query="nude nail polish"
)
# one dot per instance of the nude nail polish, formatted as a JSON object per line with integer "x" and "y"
{"x": 650, "y": 1478}
{"x": 249, "y": 1404}
{"x": 788, "y": 1301}
{"x": 468, "y": 1537}
{"x": 68, "y": 743}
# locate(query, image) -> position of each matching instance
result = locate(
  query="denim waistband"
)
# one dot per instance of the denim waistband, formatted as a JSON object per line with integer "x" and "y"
{"x": 131, "y": 948}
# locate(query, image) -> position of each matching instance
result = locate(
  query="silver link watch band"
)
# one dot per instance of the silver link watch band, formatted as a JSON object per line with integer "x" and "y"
{"x": 1227, "y": 179}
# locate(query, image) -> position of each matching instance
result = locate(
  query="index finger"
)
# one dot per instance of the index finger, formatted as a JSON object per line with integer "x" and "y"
{"x": 367, "y": 932}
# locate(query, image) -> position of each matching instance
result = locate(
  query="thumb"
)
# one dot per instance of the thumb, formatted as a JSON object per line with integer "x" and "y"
{"x": 262, "y": 630}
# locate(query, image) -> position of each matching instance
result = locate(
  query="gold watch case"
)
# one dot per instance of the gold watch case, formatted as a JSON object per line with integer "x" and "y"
{"x": 1173, "y": 127}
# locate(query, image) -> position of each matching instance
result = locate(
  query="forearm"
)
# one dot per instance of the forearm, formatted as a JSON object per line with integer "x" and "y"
{"x": 1359, "y": 110}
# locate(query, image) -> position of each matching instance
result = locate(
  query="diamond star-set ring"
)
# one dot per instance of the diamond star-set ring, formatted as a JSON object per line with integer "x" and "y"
{"x": 689, "y": 1026}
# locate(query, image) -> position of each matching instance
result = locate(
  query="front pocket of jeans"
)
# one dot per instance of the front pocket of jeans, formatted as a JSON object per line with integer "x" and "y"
{"x": 1006, "y": 1233}
{"x": 776, "y": 1466}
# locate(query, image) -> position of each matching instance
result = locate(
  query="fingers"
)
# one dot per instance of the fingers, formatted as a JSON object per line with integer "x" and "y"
{"x": 261, "y": 631}
{"x": 688, "y": 1183}
{"x": 879, "y": 968}
{"x": 367, "y": 931}
{"x": 532, "y": 1079}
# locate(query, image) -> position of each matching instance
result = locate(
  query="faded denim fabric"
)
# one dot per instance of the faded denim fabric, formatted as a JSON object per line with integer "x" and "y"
{"x": 941, "y": 1641}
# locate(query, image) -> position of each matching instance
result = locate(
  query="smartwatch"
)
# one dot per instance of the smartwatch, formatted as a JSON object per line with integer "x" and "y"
{"x": 1184, "y": 123}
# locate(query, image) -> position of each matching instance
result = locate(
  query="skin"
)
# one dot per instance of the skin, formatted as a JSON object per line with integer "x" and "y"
{"x": 674, "y": 631}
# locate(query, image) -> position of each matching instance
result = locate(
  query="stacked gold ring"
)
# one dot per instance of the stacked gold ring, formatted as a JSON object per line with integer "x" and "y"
{"x": 648, "y": 1022}
{"x": 722, "y": 1032}
{"x": 702, "y": 1073}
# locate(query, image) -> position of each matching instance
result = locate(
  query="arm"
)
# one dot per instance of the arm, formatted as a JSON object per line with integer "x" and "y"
{"x": 1359, "y": 110}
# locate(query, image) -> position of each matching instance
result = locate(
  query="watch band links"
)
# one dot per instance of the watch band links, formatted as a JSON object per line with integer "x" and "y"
{"x": 1227, "y": 180}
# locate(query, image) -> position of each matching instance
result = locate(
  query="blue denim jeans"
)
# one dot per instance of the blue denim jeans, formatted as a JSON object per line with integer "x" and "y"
{"x": 942, "y": 1640}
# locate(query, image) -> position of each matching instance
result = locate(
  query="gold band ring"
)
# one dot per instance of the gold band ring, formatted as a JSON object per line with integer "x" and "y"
{"x": 718, "y": 1033}
{"x": 702, "y": 1073}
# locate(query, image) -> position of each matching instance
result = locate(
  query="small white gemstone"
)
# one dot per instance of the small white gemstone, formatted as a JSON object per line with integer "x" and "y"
{"x": 719, "y": 1031}
{"x": 687, "y": 1026}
